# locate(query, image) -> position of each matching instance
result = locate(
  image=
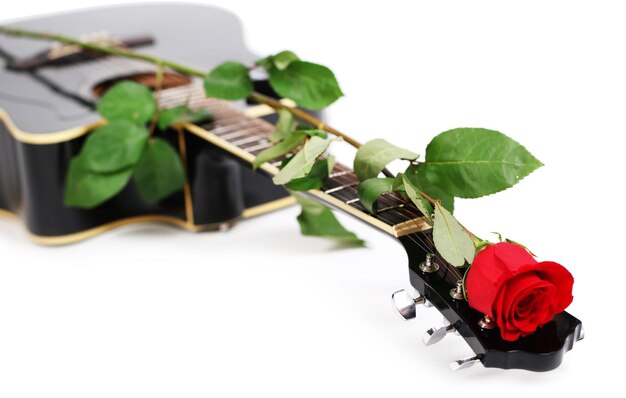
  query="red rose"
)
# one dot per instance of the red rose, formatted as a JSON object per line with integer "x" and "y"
{"x": 506, "y": 283}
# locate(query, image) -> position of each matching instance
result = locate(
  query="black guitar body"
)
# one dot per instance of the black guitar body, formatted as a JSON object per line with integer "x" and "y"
{"x": 45, "y": 111}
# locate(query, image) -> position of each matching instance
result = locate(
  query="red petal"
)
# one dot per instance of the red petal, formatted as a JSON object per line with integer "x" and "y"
{"x": 560, "y": 277}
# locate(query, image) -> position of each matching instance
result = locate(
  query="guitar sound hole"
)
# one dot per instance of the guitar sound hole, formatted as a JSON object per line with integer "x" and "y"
{"x": 170, "y": 80}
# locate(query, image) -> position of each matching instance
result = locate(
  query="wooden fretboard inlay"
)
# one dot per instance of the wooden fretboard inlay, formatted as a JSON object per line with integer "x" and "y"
{"x": 246, "y": 136}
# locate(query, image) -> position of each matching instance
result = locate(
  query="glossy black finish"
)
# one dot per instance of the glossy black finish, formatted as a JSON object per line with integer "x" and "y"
{"x": 59, "y": 97}
{"x": 541, "y": 351}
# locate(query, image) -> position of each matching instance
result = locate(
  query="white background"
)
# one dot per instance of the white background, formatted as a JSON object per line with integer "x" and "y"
{"x": 154, "y": 311}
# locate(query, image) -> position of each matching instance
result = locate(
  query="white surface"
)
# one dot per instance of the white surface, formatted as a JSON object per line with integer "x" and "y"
{"x": 153, "y": 311}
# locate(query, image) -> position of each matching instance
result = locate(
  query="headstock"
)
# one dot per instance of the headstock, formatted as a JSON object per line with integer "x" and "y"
{"x": 437, "y": 284}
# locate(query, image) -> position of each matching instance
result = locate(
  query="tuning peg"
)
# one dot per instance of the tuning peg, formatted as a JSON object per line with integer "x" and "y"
{"x": 464, "y": 363}
{"x": 405, "y": 304}
{"x": 435, "y": 335}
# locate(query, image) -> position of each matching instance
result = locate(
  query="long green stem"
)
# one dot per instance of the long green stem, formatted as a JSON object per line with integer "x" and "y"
{"x": 120, "y": 52}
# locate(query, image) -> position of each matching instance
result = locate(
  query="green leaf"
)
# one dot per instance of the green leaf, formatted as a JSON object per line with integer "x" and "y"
{"x": 291, "y": 142}
{"x": 302, "y": 162}
{"x": 418, "y": 199}
{"x": 168, "y": 116}
{"x": 87, "y": 189}
{"x": 286, "y": 160}
{"x": 285, "y": 125}
{"x": 451, "y": 240}
{"x": 114, "y": 146}
{"x": 310, "y": 85}
{"x": 318, "y": 220}
{"x": 129, "y": 101}
{"x": 182, "y": 113}
{"x": 160, "y": 172}
{"x": 316, "y": 177}
{"x": 283, "y": 59}
{"x": 370, "y": 190}
{"x": 229, "y": 80}
{"x": 199, "y": 115}
{"x": 398, "y": 183}
{"x": 474, "y": 162}
{"x": 373, "y": 156}
{"x": 280, "y": 60}
{"x": 314, "y": 133}
{"x": 421, "y": 181}
{"x": 265, "y": 62}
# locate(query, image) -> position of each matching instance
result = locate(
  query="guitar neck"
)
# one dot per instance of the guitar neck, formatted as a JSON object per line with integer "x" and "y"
{"x": 245, "y": 135}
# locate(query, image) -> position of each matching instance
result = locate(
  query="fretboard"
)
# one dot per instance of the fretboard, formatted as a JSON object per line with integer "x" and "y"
{"x": 245, "y": 135}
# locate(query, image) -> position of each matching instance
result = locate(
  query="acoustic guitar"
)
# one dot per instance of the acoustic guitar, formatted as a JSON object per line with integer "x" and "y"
{"x": 47, "y": 102}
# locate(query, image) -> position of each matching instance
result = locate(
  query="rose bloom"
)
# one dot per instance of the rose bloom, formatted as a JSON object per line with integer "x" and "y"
{"x": 506, "y": 283}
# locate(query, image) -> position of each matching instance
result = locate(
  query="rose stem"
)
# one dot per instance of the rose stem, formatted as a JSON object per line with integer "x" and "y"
{"x": 120, "y": 52}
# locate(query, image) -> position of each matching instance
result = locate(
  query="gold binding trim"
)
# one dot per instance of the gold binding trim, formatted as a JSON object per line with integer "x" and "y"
{"x": 57, "y": 137}
{"x": 45, "y": 138}
{"x": 59, "y": 240}
{"x": 9, "y": 214}
{"x": 182, "y": 147}
{"x": 268, "y": 207}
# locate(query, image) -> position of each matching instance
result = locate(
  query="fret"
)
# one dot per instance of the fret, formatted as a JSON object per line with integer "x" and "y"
{"x": 333, "y": 190}
{"x": 340, "y": 173}
{"x": 226, "y": 118}
{"x": 247, "y": 140}
{"x": 339, "y": 180}
{"x": 260, "y": 147}
{"x": 221, "y": 129}
{"x": 384, "y": 209}
{"x": 348, "y": 202}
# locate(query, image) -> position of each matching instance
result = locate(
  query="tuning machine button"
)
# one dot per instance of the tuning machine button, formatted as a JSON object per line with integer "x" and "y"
{"x": 435, "y": 335}
{"x": 464, "y": 363}
{"x": 457, "y": 292}
{"x": 406, "y": 304}
{"x": 429, "y": 265}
